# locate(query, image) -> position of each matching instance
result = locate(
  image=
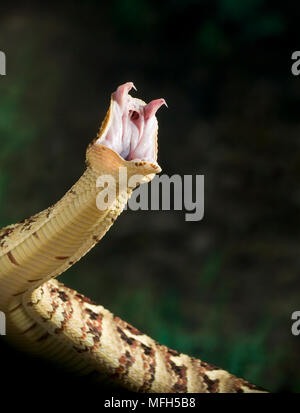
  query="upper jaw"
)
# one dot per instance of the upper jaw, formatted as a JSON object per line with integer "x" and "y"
{"x": 131, "y": 128}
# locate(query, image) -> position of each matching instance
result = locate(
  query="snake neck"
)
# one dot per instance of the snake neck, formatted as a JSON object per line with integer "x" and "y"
{"x": 53, "y": 240}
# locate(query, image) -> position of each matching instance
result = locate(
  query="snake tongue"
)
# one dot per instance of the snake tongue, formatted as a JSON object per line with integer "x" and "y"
{"x": 121, "y": 93}
{"x": 151, "y": 108}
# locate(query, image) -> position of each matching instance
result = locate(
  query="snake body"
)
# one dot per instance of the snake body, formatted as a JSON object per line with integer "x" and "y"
{"x": 48, "y": 319}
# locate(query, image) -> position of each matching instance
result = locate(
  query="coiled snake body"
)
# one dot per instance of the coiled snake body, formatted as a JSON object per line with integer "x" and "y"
{"x": 47, "y": 318}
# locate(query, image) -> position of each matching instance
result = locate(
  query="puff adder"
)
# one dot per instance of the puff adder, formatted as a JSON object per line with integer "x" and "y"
{"x": 51, "y": 320}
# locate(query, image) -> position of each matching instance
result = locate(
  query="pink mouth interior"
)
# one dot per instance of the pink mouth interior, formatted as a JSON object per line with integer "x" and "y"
{"x": 133, "y": 127}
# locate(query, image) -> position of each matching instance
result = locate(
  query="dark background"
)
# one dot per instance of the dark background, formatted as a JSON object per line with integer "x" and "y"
{"x": 222, "y": 289}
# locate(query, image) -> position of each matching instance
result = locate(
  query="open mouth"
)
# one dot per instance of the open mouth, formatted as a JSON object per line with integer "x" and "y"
{"x": 132, "y": 126}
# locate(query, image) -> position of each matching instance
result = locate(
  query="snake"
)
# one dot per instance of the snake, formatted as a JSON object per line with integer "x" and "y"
{"x": 50, "y": 320}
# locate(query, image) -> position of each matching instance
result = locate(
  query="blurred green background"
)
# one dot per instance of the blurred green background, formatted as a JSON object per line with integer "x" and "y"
{"x": 222, "y": 289}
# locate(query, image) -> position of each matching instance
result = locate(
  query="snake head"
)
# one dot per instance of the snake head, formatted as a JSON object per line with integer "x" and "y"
{"x": 130, "y": 129}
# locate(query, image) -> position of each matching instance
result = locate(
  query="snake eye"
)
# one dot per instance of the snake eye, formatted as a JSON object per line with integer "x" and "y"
{"x": 133, "y": 115}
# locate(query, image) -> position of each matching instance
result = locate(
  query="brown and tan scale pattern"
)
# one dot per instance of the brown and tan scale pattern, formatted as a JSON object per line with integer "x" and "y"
{"x": 48, "y": 319}
{"x": 125, "y": 355}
